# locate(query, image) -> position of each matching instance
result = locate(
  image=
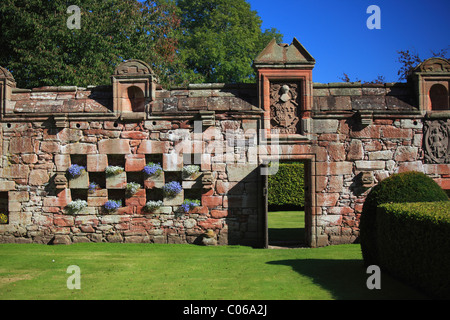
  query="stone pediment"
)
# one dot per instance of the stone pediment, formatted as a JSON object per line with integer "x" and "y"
{"x": 133, "y": 67}
{"x": 293, "y": 55}
{"x": 433, "y": 65}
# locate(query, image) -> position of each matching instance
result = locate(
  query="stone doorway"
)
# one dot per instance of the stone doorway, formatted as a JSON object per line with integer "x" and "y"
{"x": 298, "y": 230}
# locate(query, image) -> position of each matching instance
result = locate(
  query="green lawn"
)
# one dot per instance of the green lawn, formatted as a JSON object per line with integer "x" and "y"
{"x": 190, "y": 272}
{"x": 286, "y": 226}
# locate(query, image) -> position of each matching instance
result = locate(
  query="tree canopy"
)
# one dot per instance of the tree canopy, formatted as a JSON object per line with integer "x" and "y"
{"x": 182, "y": 40}
{"x": 39, "y": 48}
{"x": 220, "y": 39}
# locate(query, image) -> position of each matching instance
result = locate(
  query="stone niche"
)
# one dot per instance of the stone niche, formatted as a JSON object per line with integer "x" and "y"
{"x": 134, "y": 86}
{"x": 285, "y": 88}
{"x": 432, "y": 79}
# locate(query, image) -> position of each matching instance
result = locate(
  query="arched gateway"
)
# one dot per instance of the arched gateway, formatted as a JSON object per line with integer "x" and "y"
{"x": 134, "y": 162}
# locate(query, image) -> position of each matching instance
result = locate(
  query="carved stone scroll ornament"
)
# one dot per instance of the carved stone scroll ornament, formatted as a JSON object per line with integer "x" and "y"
{"x": 284, "y": 108}
{"x": 437, "y": 141}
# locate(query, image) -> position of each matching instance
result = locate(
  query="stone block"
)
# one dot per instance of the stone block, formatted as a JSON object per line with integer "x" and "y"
{"x": 7, "y": 185}
{"x": 38, "y": 177}
{"x": 117, "y": 181}
{"x": 174, "y": 201}
{"x": 325, "y": 126}
{"x": 355, "y": 150}
{"x": 114, "y": 146}
{"x": 381, "y": 155}
{"x": 80, "y": 182}
{"x": 212, "y": 201}
{"x": 239, "y": 171}
{"x": 327, "y": 199}
{"x": 153, "y": 147}
{"x": 134, "y": 162}
{"x": 172, "y": 162}
{"x": 62, "y": 162}
{"x": 370, "y": 165}
{"x": 79, "y": 148}
{"x": 96, "y": 162}
{"x": 21, "y": 145}
{"x": 405, "y": 153}
{"x": 333, "y": 168}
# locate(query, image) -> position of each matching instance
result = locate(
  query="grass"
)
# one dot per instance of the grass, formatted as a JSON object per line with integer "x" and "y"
{"x": 286, "y": 226}
{"x": 190, "y": 272}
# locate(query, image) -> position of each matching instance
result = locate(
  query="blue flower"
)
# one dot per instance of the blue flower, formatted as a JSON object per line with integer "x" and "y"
{"x": 188, "y": 205}
{"x": 171, "y": 189}
{"x": 111, "y": 205}
{"x": 152, "y": 169}
{"x": 75, "y": 170}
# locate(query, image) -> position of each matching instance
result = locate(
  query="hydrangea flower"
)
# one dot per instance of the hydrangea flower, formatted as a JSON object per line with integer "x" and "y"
{"x": 132, "y": 188}
{"x": 113, "y": 170}
{"x": 171, "y": 189}
{"x": 190, "y": 170}
{"x": 75, "y": 170}
{"x": 152, "y": 169}
{"x": 188, "y": 205}
{"x": 76, "y": 205}
{"x": 152, "y": 205}
{"x": 112, "y": 205}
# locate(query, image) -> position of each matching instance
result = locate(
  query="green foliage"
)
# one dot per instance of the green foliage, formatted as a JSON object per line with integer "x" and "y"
{"x": 220, "y": 40}
{"x": 3, "y": 218}
{"x": 398, "y": 188}
{"x": 286, "y": 187}
{"x": 40, "y": 50}
{"x": 412, "y": 240}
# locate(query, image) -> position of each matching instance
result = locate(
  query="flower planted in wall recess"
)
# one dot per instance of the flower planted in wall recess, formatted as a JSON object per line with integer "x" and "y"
{"x": 132, "y": 188}
{"x": 112, "y": 205}
{"x": 171, "y": 189}
{"x": 152, "y": 169}
{"x": 93, "y": 187}
{"x": 190, "y": 170}
{"x": 76, "y": 206}
{"x": 189, "y": 204}
{"x": 3, "y": 218}
{"x": 75, "y": 170}
{"x": 152, "y": 205}
{"x": 113, "y": 170}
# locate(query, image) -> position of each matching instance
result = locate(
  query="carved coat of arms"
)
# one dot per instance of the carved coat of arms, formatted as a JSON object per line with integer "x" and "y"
{"x": 284, "y": 108}
{"x": 437, "y": 141}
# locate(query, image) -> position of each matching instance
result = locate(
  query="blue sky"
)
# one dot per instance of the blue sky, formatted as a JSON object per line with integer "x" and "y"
{"x": 336, "y": 35}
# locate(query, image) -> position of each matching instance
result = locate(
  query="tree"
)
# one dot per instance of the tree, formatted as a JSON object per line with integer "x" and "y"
{"x": 40, "y": 50}
{"x": 220, "y": 39}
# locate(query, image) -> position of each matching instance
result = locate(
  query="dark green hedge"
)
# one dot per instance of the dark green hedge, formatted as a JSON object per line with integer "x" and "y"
{"x": 286, "y": 187}
{"x": 413, "y": 244}
{"x": 401, "y": 187}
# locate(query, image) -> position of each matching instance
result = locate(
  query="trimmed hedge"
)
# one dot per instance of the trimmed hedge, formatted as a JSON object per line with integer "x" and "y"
{"x": 413, "y": 244}
{"x": 398, "y": 188}
{"x": 286, "y": 187}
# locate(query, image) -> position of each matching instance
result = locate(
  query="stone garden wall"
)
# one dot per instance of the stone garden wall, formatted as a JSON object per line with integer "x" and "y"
{"x": 350, "y": 135}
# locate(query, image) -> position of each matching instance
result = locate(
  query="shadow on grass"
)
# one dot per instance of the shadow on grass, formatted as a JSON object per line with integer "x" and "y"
{"x": 346, "y": 280}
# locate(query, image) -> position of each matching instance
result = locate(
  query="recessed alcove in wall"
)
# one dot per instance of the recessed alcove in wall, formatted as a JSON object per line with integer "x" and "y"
{"x": 79, "y": 159}
{"x": 116, "y": 160}
{"x": 79, "y": 194}
{"x": 98, "y": 178}
{"x": 154, "y": 194}
{"x": 4, "y": 206}
{"x": 117, "y": 195}
{"x": 439, "y": 97}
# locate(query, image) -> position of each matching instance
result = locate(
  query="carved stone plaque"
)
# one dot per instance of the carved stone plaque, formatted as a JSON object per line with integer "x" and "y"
{"x": 284, "y": 108}
{"x": 437, "y": 141}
